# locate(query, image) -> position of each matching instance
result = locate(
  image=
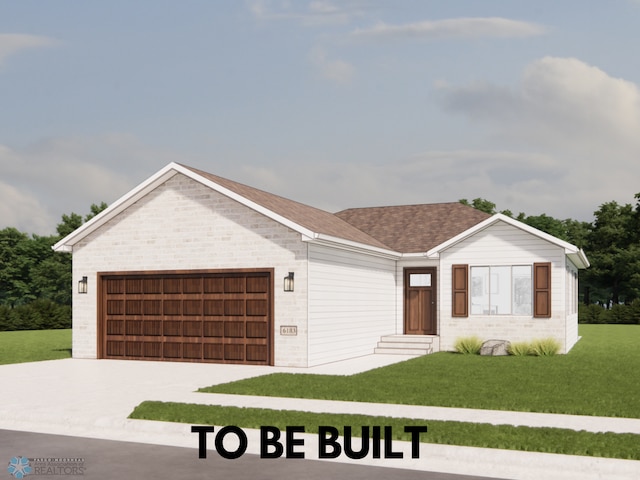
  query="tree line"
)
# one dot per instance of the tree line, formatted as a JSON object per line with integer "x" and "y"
{"x": 35, "y": 281}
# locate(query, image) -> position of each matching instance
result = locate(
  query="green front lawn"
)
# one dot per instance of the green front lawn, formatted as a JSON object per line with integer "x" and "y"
{"x": 548, "y": 440}
{"x": 598, "y": 377}
{"x": 34, "y": 345}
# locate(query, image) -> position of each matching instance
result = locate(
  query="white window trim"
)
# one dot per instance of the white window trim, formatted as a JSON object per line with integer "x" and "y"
{"x": 490, "y": 312}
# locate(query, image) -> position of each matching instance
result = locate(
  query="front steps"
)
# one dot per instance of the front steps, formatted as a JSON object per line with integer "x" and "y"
{"x": 408, "y": 344}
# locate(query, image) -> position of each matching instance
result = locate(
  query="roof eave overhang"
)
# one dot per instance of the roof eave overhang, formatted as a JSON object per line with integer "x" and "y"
{"x": 579, "y": 258}
{"x": 341, "y": 243}
{"x": 420, "y": 255}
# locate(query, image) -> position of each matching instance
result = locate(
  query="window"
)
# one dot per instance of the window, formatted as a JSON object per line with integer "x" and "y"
{"x": 501, "y": 290}
{"x": 420, "y": 280}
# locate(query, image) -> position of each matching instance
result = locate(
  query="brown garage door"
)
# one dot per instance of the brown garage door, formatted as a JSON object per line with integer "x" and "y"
{"x": 195, "y": 316}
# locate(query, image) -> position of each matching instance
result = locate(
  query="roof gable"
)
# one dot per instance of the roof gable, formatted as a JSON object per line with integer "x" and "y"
{"x": 310, "y": 222}
{"x": 576, "y": 254}
{"x": 414, "y": 228}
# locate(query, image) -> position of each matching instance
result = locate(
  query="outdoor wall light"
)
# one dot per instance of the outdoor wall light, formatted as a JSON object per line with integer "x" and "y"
{"x": 82, "y": 285}
{"x": 288, "y": 282}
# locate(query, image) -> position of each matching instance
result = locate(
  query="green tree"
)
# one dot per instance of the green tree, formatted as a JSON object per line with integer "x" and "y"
{"x": 69, "y": 224}
{"x": 35, "y": 281}
{"x": 73, "y": 221}
{"x": 577, "y": 232}
{"x": 51, "y": 275}
{"x": 569, "y": 230}
{"x": 30, "y": 269}
{"x": 614, "y": 253}
{"x": 16, "y": 263}
{"x": 547, "y": 224}
{"x": 480, "y": 204}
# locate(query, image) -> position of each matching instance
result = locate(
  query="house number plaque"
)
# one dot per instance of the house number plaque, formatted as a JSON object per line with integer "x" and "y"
{"x": 290, "y": 330}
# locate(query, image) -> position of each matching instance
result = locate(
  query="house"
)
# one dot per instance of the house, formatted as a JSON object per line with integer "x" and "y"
{"x": 189, "y": 266}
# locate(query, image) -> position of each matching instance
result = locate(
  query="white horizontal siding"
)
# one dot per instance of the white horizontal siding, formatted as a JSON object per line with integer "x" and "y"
{"x": 572, "y": 311}
{"x": 351, "y": 303}
{"x": 503, "y": 244}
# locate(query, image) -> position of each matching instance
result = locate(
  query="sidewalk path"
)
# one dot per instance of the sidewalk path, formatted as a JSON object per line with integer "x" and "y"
{"x": 495, "y": 417}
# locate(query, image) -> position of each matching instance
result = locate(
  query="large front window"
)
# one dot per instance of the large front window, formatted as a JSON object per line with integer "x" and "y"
{"x": 501, "y": 290}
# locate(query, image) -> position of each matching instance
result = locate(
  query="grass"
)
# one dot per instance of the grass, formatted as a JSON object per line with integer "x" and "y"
{"x": 598, "y": 377}
{"x": 34, "y": 345}
{"x": 548, "y": 440}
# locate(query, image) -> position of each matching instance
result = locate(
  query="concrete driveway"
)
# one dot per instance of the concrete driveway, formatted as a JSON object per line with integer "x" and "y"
{"x": 77, "y": 394}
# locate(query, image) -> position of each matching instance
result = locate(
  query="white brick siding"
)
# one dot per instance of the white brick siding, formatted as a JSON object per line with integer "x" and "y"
{"x": 183, "y": 225}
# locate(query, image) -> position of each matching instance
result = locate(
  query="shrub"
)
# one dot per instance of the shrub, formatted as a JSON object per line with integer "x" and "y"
{"x": 618, "y": 313}
{"x": 520, "y": 349}
{"x": 545, "y": 347}
{"x": 634, "y": 311}
{"x": 622, "y": 314}
{"x": 468, "y": 345}
{"x": 590, "y": 313}
{"x": 40, "y": 314}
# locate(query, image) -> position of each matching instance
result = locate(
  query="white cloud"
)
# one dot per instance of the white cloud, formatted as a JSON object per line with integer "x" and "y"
{"x": 22, "y": 210}
{"x": 337, "y": 71}
{"x": 562, "y": 141}
{"x": 63, "y": 175}
{"x": 315, "y": 13}
{"x": 453, "y": 28}
{"x": 560, "y": 102}
{"x": 585, "y": 120}
{"x": 13, "y": 43}
{"x": 569, "y": 90}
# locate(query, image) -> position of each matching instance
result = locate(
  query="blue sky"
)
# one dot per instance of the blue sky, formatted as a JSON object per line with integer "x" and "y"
{"x": 532, "y": 105}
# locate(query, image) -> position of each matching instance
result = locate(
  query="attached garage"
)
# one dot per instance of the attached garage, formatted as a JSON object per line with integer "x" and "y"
{"x": 193, "y": 316}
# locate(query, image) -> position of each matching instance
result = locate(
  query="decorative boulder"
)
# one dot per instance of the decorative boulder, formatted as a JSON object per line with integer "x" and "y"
{"x": 495, "y": 348}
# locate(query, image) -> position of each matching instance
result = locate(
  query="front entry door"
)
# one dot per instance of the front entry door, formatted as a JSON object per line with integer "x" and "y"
{"x": 420, "y": 301}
